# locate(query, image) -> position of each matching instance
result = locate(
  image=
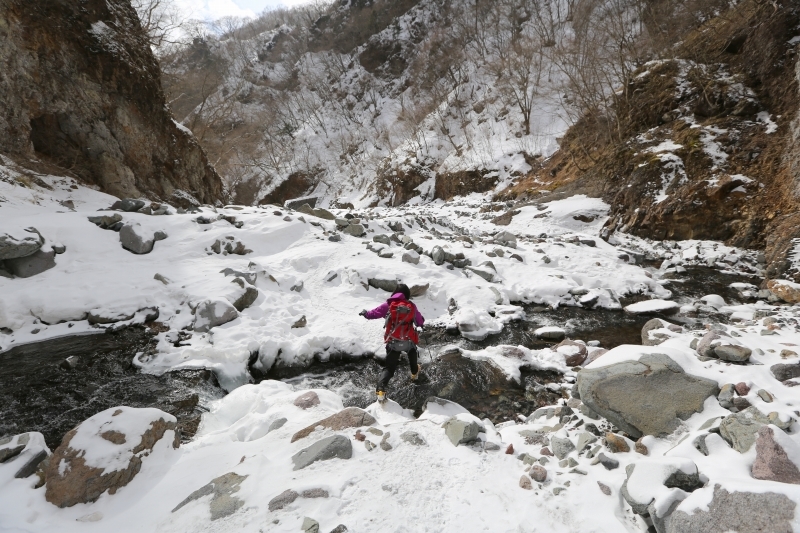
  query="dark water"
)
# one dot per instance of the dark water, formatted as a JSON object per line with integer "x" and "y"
{"x": 40, "y": 392}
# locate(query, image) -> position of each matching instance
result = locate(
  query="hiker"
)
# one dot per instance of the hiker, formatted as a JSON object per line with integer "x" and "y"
{"x": 400, "y": 336}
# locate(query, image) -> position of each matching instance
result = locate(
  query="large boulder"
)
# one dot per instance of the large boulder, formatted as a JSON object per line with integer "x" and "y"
{"x": 212, "y": 313}
{"x": 388, "y": 285}
{"x": 720, "y": 345}
{"x": 774, "y": 456}
{"x": 136, "y": 239}
{"x": 743, "y": 512}
{"x": 105, "y": 452}
{"x": 351, "y": 417}
{"x": 20, "y": 243}
{"x": 786, "y": 290}
{"x": 36, "y": 263}
{"x": 337, "y": 446}
{"x": 646, "y": 397}
{"x": 461, "y": 431}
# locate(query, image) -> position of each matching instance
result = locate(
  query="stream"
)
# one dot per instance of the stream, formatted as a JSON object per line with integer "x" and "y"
{"x": 52, "y": 386}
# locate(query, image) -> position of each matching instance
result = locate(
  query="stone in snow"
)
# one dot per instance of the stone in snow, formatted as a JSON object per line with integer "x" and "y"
{"x": 221, "y": 489}
{"x": 20, "y": 244}
{"x": 283, "y": 499}
{"x": 461, "y": 431}
{"x": 561, "y": 447}
{"x": 31, "y": 265}
{"x": 623, "y": 393}
{"x": 120, "y": 439}
{"x": 653, "y": 306}
{"x": 740, "y": 429}
{"x": 574, "y": 352}
{"x": 337, "y": 446}
{"x": 350, "y": 417}
{"x": 550, "y": 333}
{"x": 538, "y": 473}
{"x": 134, "y": 238}
{"x": 652, "y": 337}
{"x": 306, "y": 400}
{"x": 212, "y": 313}
{"x": 777, "y": 456}
{"x": 411, "y": 257}
{"x": 413, "y": 438}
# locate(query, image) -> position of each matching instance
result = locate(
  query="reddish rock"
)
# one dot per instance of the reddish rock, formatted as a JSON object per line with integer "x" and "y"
{"x": 640, "y": 447}
{"x": 772, "y": 462}
{"x": 360, "y": 436}
{"x": 574, "y": 352}
{"x": 525, "y": 483}
{"x": 352, "y": 417}
{"x": 307, "y": 400}
{"x": 510, "y": 449}
{"x": 742, "y": 388}
{"x": 546, "y": 451}
{"x": 538, "y": 473}
{"x": 617, "y": 444}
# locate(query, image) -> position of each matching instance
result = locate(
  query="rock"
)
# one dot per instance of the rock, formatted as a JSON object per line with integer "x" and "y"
{"x": 315, "y": 493}
{"x": 283, "y": 499}
{"x": 766, "y": 396}
{"x": 335, "y": 238}
{"x": 413, "y": 438}
{"x": 546, "y": 451}
{"x": 743, "y": 512}
{"x": 246, "y": 298}
{"x": 525, "y": 483}
{"x": 617, "y": 444}
{"x": 585, "y": 439}
{"x": 647, "y": 478}
{"x": 306, "y": 400}
{"x": 212, "y": 313}
{"x": 221, "y": 489}
{"x": 120, "y": 436}
{"x": 460, "y": 431}
{"x": 485, "y": 274}
{"x": 31, "y": 265}
{"x": 740, "y": 429}
{"x": 277, "y": 424}
{"x": 538, "y": 473}
{"x": 732, "y": 353}
{"x": 437, "y": 254}
{"x": 129, "y": 205}
{"x": 102, "y": 316}
{"x": 382, "y": 238}
{"x": 385, "y": 253}
{"x": 419, "y": 290}
{"x": 605, "y": 489}
{"x": 350, "y": 417}
{"x": 355, "y": 230}
{"x": 297, "y": 287}
{"x": 341, "y": 223}
{"x": 300, "y": 323}
{"x": 411, "y": 257}
{"x": 608, "y": 462}
{"x": 774, "y": 453}
{"x": 388, "y": 285}
{"x": 782, "y": 372}
{"x": 337, "y": 446}
{"x": 309, "y": 525}
{"x": 785, "y": 290}
{"x": 785, "y": 354}
{"x": 640, "y": 447}
{"x": 568, "y": 463}
{"x": 295, "y": 203}
{"x": 725, "y": 396}
{"x": 594, "y": 356}
{"x": 341, "y": 528}
{"x": 561, "y": 447}
{"x": 20, "y": 244}
{"x": 134, "y": 238}
{"x": 106, "y": 221}
{"x": 742, "y": 388}
{"x": 624, "y": 393}
{"x": 574, "y": 352}
{"x": 650, "y": 337}
{"x": 552, "y": 333}
{"x": 59, "y": 249}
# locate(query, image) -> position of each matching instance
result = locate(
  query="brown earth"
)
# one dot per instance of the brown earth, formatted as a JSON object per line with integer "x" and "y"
{"x": 748, "y": 45}
{"x": 82, "y": 91}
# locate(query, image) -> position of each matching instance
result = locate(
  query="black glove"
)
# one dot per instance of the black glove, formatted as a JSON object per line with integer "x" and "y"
{"x": 363, "y": 313}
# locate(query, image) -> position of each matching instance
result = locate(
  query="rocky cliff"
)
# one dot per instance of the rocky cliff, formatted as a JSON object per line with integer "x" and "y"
{"x": 81, "y": 89}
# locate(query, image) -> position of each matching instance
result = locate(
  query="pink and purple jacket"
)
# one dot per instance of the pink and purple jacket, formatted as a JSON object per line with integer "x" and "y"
{"x": 382, "y": 310}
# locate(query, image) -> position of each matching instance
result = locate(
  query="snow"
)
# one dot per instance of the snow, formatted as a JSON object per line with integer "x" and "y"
{"x": 766, "y": 118}
{"x": 655, "y": 305}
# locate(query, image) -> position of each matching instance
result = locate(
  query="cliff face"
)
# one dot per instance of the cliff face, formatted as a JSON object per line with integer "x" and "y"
{"x": 80, "y": 89}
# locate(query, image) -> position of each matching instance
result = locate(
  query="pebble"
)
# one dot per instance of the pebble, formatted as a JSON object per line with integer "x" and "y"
{"x": 617, "y": 444}
{"x": 605, "y": 489}
{"x": 538, "y": 473}
{"x": 525, "y": 483}
{"x": 640, "y": 447}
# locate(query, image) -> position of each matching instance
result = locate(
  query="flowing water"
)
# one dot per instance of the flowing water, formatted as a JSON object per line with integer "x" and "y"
{"x": 52, "y": 386}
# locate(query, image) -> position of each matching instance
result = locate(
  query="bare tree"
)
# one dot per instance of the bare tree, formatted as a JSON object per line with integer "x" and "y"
{"x": 161, "y": 21}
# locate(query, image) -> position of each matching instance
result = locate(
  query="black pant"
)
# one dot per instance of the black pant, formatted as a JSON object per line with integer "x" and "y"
{"x": 392, "y": 360}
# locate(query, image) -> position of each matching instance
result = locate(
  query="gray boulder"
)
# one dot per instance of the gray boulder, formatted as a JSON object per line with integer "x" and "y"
{"x": 337, "y": 446}
{"x": 388, "y": 285}
{"x": 382, "y": 238}
{"x": 283, "y": 499}
{"x": 106, "y": 221}
{"x": 20, "y": 244}
{"x": 129, "y": 205}
{"x": 356, "y": 230}
{"x": 743, "y": 512}
{"x": 31, "y": 265}
{"x": 561, "y": 447}
{"x": 246, "y": 298}
{"x": 460, "y": 431}
{"x": 437, "y": 254}
{"x": 350, "y": 417}
{"x": 222, "y": 489}
{"x": 646, "y": 397}
{"x": 249, "y": 277}
{"x": 740, "y": 429}
{"x": 298, "y": 202}
{"x": 782, "y": 372}
{"x": 135, "y": 239}
{"x": 411, "y": 257}
{"x": 212, "y": 313}
{"x": 650, "y": 337}
{"x": 732, "y": 353}
{"x": 483, "y": 273}
{"x": 412, "y": 437}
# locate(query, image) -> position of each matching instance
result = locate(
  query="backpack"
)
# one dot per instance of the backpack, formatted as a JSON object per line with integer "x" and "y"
{"x": 400, "y": 333}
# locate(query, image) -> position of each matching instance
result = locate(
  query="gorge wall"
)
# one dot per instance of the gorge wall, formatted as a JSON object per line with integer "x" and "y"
{"x": 81, "y": 89}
